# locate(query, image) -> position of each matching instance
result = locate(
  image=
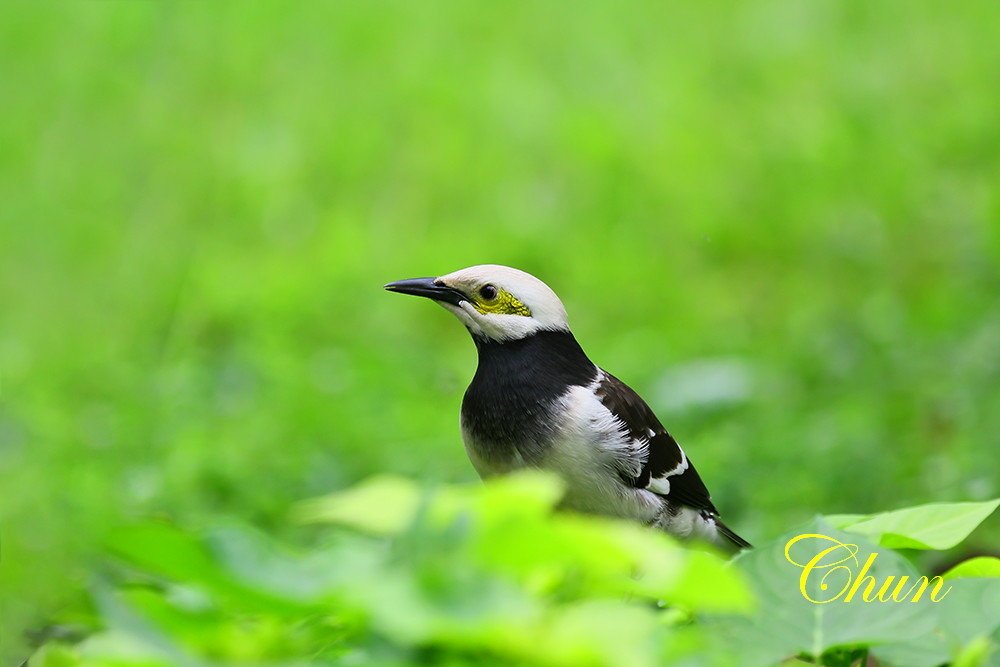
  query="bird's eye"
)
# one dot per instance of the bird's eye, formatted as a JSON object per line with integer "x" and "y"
{"x": 488, "y": 292}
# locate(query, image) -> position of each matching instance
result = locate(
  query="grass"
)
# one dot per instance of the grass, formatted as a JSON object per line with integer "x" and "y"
{"x": 778, "y": 221}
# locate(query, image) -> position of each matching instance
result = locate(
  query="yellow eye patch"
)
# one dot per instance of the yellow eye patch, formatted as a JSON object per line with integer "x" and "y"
{"x": 504, "y": 303}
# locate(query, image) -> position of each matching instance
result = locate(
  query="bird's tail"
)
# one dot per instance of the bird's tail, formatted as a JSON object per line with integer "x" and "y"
{"x": 731, "y": 538}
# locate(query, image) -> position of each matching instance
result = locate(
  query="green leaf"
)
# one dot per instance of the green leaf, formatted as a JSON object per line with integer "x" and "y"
{"x": 598, "y": 632}
{"x": 130, "y": 634}
{"x": 54, "y": 655}
{"x": 787, "y": 624}
{"x": 993, "y": 658}
{"x": 934, "y": 526}
{"x": 514, "y": 531}
{"x": 712, "y": 585}
{"x": 383, "y": 505}
{"x": 919, "y": 634}
{"x": 979, "y": 567}
{"x": 971, "y": 609}
{"x": 163, "y": 550}
{"x": 841, "y": 521}
{"x": 974, "y": 654}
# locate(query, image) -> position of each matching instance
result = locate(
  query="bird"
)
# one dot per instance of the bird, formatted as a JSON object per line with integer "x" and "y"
{"x": 538, "y": 401}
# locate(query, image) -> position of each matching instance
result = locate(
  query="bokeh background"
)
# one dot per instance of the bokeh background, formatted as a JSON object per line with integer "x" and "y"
{"x": 779, "y": 221}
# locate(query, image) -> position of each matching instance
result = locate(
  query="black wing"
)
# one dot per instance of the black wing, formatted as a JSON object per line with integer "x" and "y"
{"x": 666, "y": 470}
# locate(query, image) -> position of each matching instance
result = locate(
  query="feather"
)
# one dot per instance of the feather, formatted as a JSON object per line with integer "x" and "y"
{"x": 665, "y": 468}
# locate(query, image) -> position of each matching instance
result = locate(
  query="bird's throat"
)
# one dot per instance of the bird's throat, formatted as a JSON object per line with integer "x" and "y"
{"x": 508, "y": 408}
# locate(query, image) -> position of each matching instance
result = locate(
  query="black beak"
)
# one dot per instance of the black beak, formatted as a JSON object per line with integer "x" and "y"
{"x": 428, "y": 287}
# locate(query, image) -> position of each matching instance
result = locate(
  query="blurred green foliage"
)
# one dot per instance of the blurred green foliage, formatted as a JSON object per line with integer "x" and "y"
{"x": 490, "y": 575}
{"x": 778, "y": 221}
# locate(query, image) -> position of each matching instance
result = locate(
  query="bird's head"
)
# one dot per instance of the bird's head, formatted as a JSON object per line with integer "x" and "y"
{"x": 494, "y": 302}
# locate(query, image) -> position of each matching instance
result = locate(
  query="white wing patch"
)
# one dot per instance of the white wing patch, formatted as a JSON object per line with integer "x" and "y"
{"x": 661, "y": 484}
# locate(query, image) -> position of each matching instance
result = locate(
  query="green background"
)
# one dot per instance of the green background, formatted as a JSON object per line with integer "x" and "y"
{"x": 778, "y": 221}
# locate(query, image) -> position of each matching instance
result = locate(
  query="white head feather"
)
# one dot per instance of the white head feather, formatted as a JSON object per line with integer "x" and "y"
{"x": 546, "y": 310}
